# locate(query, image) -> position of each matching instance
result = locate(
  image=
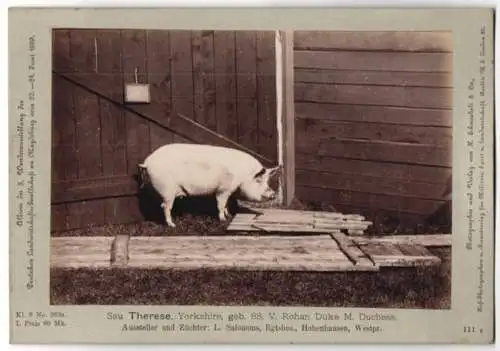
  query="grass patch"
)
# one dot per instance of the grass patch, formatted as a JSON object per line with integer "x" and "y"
{"x": 425, "y": 288}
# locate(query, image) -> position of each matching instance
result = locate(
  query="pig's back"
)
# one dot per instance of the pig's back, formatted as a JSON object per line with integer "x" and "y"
{"x": 177, "y": 154}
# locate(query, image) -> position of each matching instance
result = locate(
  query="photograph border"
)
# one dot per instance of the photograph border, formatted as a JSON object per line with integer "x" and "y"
{"x": 471, "y": 317}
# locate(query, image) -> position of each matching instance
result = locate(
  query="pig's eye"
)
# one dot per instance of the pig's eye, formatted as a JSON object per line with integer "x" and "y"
{"x": 260, "y": 173}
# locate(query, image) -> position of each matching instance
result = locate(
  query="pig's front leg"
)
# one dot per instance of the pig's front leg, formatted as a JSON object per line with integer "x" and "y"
{"x": 222, "y": 205}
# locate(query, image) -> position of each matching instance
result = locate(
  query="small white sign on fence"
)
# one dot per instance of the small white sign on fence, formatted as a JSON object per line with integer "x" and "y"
{"x": 137, "y": 93}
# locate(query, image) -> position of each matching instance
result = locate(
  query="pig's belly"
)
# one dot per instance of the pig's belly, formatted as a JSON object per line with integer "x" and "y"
{"x": 196, "y": 189}
{"x": 201, "y": 179}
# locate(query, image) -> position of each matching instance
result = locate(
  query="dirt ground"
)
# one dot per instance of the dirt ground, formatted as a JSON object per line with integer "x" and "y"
{"x": 426, "y": 287}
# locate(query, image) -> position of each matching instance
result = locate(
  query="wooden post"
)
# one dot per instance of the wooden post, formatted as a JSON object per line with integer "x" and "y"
{"x": 286, "y": 112}
{"x": 119, "y": 250}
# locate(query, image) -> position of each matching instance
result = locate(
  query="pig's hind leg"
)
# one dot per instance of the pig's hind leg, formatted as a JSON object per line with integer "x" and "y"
{"x": 167, "y": 205}
{"x": 168, "y": 197}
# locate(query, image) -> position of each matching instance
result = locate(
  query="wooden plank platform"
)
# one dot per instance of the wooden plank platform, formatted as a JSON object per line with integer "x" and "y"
{"x": 332, "y": 252}
{"x": 278, "y": 220}
{"x": 313, "y": 253}
{"x": 291, "y": 253}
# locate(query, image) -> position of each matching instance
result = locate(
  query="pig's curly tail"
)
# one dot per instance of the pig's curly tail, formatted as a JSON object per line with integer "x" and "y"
{"x": 143, "y": 175}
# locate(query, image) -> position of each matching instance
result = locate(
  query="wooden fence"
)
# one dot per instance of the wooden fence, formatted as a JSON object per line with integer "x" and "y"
{"x": 374, "y": 120}
{"x": 220, "y": 81}
{"x": 370, "y": 129}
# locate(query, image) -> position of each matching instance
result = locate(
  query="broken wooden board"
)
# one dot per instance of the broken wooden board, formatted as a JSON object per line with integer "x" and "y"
{"x": 386, "y": 254}
{"x": 279, "y": 220}
{"x": 427, "y": 240}
{"x": 351, "y": 250}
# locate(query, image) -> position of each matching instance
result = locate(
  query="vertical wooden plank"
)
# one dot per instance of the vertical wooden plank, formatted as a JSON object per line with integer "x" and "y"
{"x": 159, "y": 77}
{"x": 87, "y": 126}
{"x": 134, "y": 58}
{"x": 88, "y": 133}
{"x": 286, "y": 111}
{"x": 203, "y": 78}
{"x": 61, "y": 54}
{"x": 159, "y": 71}
{"x": 114, "y": 139}
{"x": 63, "y": 113}
{"x": 85, "y": 214}
{"x": 246, "y": 68}
{"x": 83, "y": 50}
{"x": 60, "y": 116}
{"x": 133, "y": 211}
{"x": 225, "y": 83}
{"x": 159, "y": 137}
{"x": 134, "y": 55}
{"x": 208, "y": 71}
{"x": 119, "y": 212}
{"x": 199, "y": 115}
{"x": 113, "y": 124}
{"x": 87, "y": 120}
{"x": 138, "y": 143}
{"x": 65, "y": 123}
{"x": 182, "y": 74}
{"x": 109, "y": 53}
{"x": 57, "y": 213}
{"x": 58, "y": 218}
{"x": 64, "y": 162}
{"x": 266, "y": 87}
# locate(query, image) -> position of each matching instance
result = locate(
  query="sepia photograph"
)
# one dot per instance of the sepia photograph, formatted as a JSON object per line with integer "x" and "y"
{"x": 251, "y": 168}
{"x": 251, "y": 175}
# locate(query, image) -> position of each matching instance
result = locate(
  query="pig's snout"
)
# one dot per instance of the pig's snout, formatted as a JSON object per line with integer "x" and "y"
{"x": 271, "y": 195}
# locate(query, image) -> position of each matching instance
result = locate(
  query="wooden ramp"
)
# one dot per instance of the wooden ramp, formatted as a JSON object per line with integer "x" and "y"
{"x": 278, "y": 220}
{"x": 327, "y": 253}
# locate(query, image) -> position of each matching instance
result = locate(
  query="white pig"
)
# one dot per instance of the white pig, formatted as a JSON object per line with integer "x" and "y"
{"x": 177, "y": 170}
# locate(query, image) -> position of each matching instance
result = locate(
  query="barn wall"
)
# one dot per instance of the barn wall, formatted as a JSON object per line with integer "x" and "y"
{"x": 373, "y": 120}
{"x": 223, "y": 80}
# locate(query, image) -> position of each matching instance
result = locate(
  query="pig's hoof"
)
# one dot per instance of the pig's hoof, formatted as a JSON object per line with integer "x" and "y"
{"x": 171, "y": 224}
{"x": 222, "y": 217}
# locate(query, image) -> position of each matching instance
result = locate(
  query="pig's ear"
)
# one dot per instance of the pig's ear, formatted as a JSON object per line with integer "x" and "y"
{"x": 275, "y": 170}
